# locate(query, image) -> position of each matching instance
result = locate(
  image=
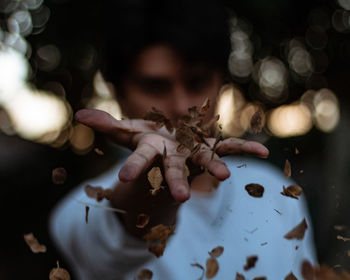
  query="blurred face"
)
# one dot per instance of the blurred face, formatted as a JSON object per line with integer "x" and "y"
{"x": 160, "y": 79}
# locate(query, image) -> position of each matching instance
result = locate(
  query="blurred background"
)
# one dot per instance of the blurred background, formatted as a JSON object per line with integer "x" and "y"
{"x": 290, "y": 59}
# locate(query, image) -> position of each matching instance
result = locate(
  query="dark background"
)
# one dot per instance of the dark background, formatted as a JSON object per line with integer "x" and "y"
{"x": 28, "y": 194}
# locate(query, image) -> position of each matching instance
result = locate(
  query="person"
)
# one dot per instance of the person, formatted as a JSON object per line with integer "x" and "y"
{"x": 172, "y": 55}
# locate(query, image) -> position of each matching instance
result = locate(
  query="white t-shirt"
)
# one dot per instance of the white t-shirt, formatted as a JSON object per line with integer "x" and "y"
{"x": 228, "y": 217}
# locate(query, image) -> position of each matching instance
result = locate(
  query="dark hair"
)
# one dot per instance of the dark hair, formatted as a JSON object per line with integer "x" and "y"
{"x": 197, "y": 29}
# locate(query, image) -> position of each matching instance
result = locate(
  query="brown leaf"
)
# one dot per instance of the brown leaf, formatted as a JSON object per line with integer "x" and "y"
{"x": 155, "y": 178}
{"x": 159, "y": 118}
{"x": 144, "y": 274}
{"x": 307, "y": 270}
{"x": 239, "y": 276}
{"x": 255, "y": 190}
{"x": 250, "y": 262}
{"x": 290, "y": 276}
{"x": 256, "y": 121}
{"x": 287, "y": 169}
{"x": 184, "y": 135}
{"x": 87, "y": 208}
{"x": 297, "y": 152}
{"x": 157, "y": 247}
{"x": 142, "y": 220}
{"x": 345, "y": 239}
{"x": 33, "y": 243}
{"x": 216, "y": 252}
{"x": 205, "y": 106}
{"x": 59, "y": 273}
{"x": 260, "y": 278}
{"x": 94, "y": 192}
{"x": 200, "y": 267}
{"x": 193, "y": 112}
{"x": 59, "y": 175}
{"x": 98, "y": 151}
{"x": 297, "y": 232}
{"x": 157, "y": 237}
{"x": 212, "y": 268}
{"x": 292, "y": 191}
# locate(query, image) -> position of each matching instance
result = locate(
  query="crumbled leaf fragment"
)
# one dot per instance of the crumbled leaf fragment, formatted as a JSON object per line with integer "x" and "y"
{"x": 298, "y": 231}
{"x": 99, "y": 152}
{"x": 59, "y": 175}
{"x": 87, "y": 208}
{"x": 98, "y": 193}
{"x": 142, "y": 220}
{"x": 287, "y": 171}
{"x": 290, "y": 276}
{"x": 216, "y": 252}
{"x": 155, "y": 178}
{"x": 184, "y": 135}
{"x": 212, "y": 268}
{"x": 34, "y": 244}
{"x": 345, "y": 239}
{"x": 59, "y": 273}
{"x": 201, "y": 268}
{"x": 251, "y": 260}
{"x": 205, "y": 106}
{"x": 256, "y": 122}
{"x": 157, "y": 237}
{"x": 239, "y": 276}
{"x": 159, "y": 118}
{"x": 255, "y": 190}
{"x": 292, "y": 191}
{"x": 145, "y": 274}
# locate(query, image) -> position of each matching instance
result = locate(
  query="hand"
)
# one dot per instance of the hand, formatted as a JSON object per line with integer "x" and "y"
{"x": 147, "y": 142}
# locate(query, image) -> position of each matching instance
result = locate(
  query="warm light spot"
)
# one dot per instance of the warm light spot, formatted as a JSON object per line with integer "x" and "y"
{"x": 229, "y": 106}
{"x": 300, "y": 61}
{"x": 101, "y": 87}
{"x": 247, "y": 113}
{"x": 82, "y": 138}
{"x": 290, "y": 120}
{"x": 108, "y": 105}
{"x": 36, "y": 113}
{"x": 327, "y": 111}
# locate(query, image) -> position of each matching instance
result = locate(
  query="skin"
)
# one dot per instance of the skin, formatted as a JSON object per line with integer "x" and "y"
{"x": 161, "y": 79}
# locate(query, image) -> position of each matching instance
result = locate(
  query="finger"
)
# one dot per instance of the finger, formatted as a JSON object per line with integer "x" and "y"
{"x": 240, "y": 146}
{"x": 214, "y": 165}
{"x": 174, "y": 174}
{"x": 137, "y": 162}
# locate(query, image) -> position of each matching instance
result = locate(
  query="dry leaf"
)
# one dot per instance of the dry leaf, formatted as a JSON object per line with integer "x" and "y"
{"x": 212, "y": 268}
{"x": 205, "y": 106}
{"x": 292, "y": 191}
{"x": 255, "y": 190}
{"x": 185, "y": 136}
{"x": 216, "y": 252}
{"x": 200, "y": 267}
{"x": 87, "y": 208}
{"x": 290, "y": 276}
{"x": 256, "y": 122}
{"x": 157, "y": 237}
{"x": 142, "y": 220}
{"x": 59, "y": 273}
{"x": 287, "y": 169}
{"x": 297, "y": 152}
{"x": 33, "y": 243}
{"x": 260, "y": 278}
{"x": 239, "y": 276}
{"x": 345, "y": 239}
{"x": 159, "y": 118}
{"x": 98, "y": 151}
{"x": 297, "y": 232}
{"x": 144, "y": 274}
{"x": 59, "y": 175}
{"x": 98, "y": 193}
{"x": 250, "y": 262}
{"x": 307, "y": 270}
{"x": 155, "y": 178}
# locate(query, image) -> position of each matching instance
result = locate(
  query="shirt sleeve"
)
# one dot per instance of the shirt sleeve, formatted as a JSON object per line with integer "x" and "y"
{"x": 99, "y": 249}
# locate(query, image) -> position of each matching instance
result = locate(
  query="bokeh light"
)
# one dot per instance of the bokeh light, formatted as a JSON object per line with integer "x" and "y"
{"x": 247, "y": 113}
{"x": 81, "y": 138}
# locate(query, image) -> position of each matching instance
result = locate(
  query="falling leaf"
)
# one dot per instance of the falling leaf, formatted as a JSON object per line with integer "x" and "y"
{"x": 205, "y": 106}
{"x": 98, "y": 193}
{"x": 345, "y": 239}
{"x": 250, "y": 262}
{"x": 157, "y": 237}
{"x": 290, "y": 276}
{"x": 278, "y": 211}
{"x": 98, "y": 151}
{"x": 212, "y": 268}
{"x": 144, "y": 274}
{"x": 216, "y": 252}
{"x": 201, "y": 268}
{"x": 297, "y": 232}
{"x": 159, "y": 118}
{"x": 33, "y": 243}
{"x": 255, "y": 190}
{"x": 59, "y": 175}
{"x": 155, "y": 178}
{"x": 260, "y": 278}
{"x": 297, "y": 152}
{"x": 263, "y": 244}
{"x": 239, "y": 276}
{"x": 292, "y": 191}
{"x": 184, "y": 135}
{"x": 287, "y": 169}
{"x": 59, "y": 273}
{"x": 87, "y": 208}
{"x": 256, "y": 122}
{"x": 142, "y": 220}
